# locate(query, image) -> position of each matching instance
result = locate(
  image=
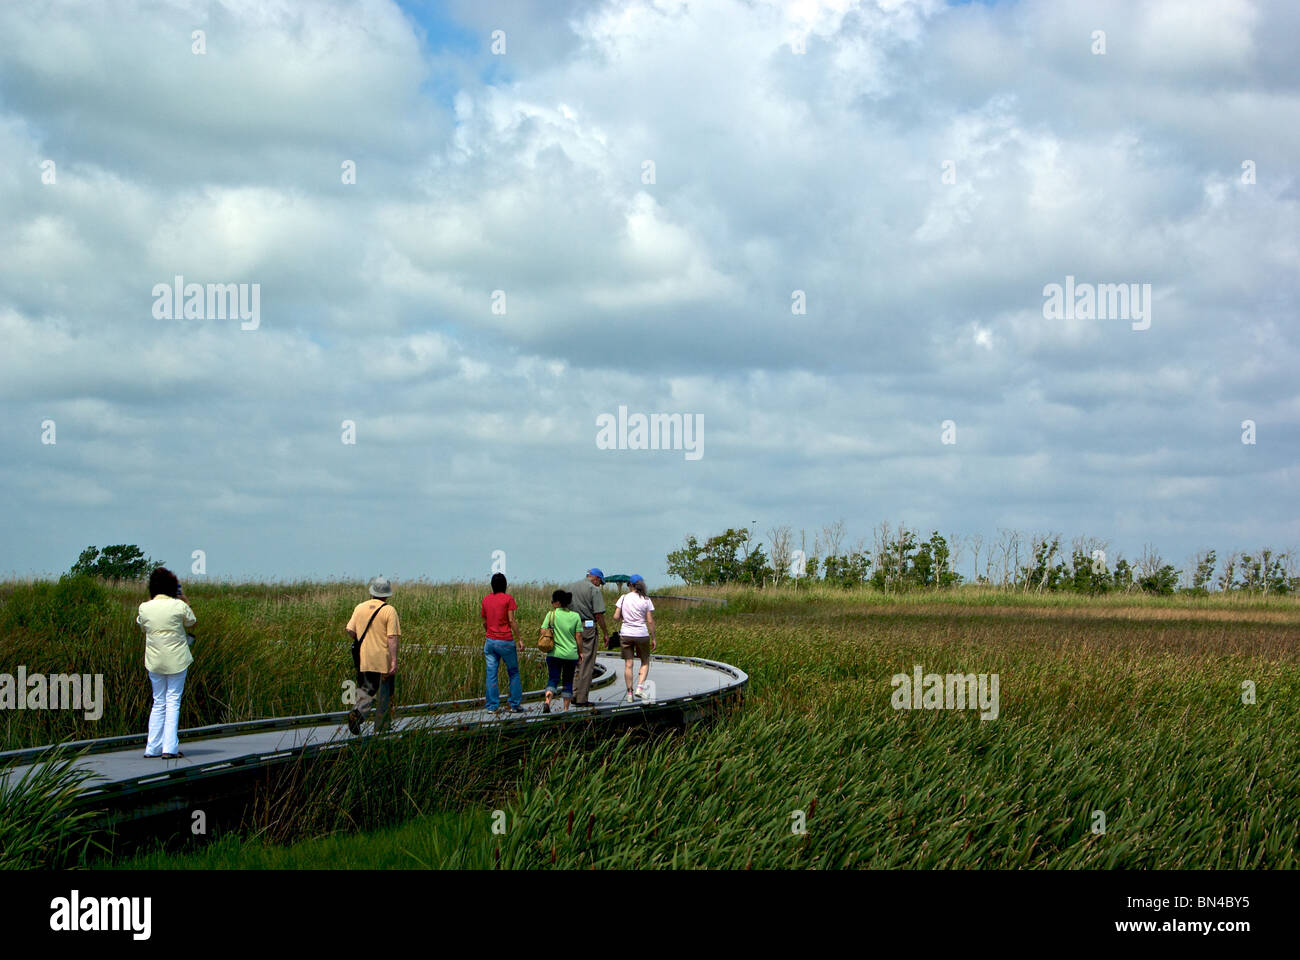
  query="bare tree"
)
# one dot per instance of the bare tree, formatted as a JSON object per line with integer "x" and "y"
{"x": 834, "y": 536}
{"x": 778, "y": 539}
{"x": 956, "y": 547}
{"x": 814, "y": 555}
{"x": 900, "y": 545}
{"x": 1008, "y": 549}
{"x": 879, "y": 544}
{"x": 1229, "y": 573}
{"x": 976, "y": 542}
{"x": 1150, "y": 563}
{"x": 1042, "y": 550}
{"x": 1194, "y": 565}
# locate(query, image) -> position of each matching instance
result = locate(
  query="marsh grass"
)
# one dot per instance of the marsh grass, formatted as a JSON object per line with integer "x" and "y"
{"x": 1128, "y": 706}
{"x": 41, "y": 826}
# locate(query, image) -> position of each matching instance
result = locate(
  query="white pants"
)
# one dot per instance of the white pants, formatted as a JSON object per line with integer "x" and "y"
{"x": 166, "y": 714}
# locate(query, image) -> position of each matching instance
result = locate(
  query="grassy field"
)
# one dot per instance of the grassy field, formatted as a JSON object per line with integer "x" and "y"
{"x": 1127, "y": 706}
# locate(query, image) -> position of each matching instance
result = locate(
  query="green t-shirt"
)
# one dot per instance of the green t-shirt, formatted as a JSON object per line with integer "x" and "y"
{"x": 566, "y": 625}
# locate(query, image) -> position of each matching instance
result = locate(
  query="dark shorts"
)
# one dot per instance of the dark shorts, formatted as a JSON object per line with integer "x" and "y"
{"x": 635, "y": 648}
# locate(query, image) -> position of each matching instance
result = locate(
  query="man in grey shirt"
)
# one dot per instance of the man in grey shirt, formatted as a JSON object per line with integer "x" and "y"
{"x": 588, "y": 603}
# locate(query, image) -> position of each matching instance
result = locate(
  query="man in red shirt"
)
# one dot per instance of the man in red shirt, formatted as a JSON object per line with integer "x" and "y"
{"x": 501, "y": 638}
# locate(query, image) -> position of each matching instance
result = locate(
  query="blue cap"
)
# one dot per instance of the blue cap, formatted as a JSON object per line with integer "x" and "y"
{"x": 595, "y": 572}
{"x": 635, "y": 578}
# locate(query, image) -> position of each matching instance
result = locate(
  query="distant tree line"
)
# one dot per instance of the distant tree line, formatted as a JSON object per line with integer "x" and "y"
{"x": 898, "y": 558}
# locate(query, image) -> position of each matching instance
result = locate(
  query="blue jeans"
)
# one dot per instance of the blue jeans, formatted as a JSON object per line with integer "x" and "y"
{"x": 557, "y": 670}
{"x": 494, "y": 651}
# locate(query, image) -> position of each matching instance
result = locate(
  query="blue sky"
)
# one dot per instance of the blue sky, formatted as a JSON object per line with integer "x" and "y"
{"x": 504, "y": 271}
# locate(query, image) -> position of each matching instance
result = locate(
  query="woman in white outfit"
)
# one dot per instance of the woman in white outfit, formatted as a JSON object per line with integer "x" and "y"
{"x": 167, "y": 621}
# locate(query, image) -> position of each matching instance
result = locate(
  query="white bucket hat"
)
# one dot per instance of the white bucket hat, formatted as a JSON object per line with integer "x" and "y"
{"x": 380, "y": 587}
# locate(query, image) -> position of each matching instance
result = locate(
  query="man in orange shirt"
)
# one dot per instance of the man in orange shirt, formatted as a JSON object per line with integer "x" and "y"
{"x": 375, "y": 630}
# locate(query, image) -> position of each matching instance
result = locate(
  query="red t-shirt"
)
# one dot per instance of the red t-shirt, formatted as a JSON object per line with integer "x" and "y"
{"x": 496, "y": 610}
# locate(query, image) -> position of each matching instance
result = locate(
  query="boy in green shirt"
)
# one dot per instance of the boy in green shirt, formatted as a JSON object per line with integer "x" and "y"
{"x": 564, "y": 659}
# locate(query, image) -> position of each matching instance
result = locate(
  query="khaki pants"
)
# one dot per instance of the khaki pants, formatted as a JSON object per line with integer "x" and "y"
{"x": 582, "y": 677}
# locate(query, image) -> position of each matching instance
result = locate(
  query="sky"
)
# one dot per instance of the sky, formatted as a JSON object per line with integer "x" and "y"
{"x": 823, "y": 232}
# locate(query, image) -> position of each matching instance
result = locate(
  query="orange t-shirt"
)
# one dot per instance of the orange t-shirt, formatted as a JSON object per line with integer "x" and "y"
{"x": 374, "y": 646}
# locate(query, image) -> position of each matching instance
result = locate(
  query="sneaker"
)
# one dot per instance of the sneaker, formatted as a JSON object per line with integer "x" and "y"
{"x": 629, "y": 698}
{"x": 354, "y": 722}
{"x": 640, "y": 692}
{"x": 513, "y": 709}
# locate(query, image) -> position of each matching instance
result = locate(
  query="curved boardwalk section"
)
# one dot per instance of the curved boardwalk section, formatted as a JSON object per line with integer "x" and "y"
{"x": 685, "y": 689}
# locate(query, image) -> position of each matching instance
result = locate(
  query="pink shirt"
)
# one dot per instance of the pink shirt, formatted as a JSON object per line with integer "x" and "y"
{"x": 634, "y": 608}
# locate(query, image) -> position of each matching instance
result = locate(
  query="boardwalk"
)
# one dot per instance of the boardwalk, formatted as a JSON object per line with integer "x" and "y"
{"x": 680, "y": 684}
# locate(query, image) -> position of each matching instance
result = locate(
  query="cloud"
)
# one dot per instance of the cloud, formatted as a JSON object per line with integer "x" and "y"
{"x": 619, "y": 211}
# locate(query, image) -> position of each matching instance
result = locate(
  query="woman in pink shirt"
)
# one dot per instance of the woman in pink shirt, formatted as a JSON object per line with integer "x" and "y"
{"x": 637, "y": 638}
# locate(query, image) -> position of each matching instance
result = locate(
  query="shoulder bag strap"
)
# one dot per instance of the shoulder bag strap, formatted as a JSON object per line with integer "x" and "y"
{"x": 371, "y": 620}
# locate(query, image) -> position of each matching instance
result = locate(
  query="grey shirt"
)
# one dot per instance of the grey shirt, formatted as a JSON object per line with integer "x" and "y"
{"x": 588, "y": 600}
